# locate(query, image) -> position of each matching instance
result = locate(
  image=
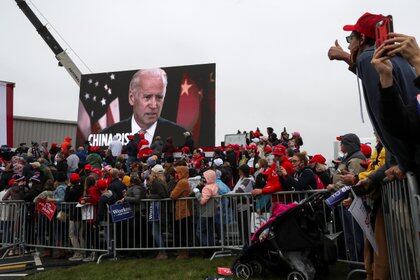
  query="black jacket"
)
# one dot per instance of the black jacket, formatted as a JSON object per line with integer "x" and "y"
{"x": 102, "y": 207}
{"x": 402, "y": 121}
{"x": 31, "y": 193}
{"x": 325, "y": 177}
{"x": 189, "y": 142}
{"x": 302, "y": 180}
{"x": 157, "y": 146}
{"x": 73, "y": 194}
{"x": 117, "y": 188}
{"x": 158, "y": 190}
{"x": 164, "y": 129}
{"x": 62, "y": 166}
{"x": 406, "y": 153}
{"x": 131, "y": 149}
{"x": 135, "y": 194}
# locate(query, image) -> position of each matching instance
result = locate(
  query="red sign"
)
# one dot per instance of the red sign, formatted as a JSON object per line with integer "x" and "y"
{"x": 224, "y": 271}
{"x": 47, "y": 208}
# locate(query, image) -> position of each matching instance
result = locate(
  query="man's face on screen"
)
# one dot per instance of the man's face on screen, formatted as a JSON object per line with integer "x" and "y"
{"x": 147, "y": 100}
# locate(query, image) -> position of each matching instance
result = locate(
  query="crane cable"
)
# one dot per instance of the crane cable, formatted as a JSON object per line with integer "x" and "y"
{"x": 59, "y": 35}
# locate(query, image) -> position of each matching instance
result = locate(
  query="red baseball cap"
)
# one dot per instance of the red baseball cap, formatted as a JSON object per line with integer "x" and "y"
{"x": 365, "y": 24}
{"x": 186, "y": 150}
{"x": 97, "y": 171}
{"x": 268, "y": 149}
{"x": 74, "y": 178}
{"x": 88, "y": 167}
{"x": 318, "y": 158}
{"x": 366, "y": 150}
{"x": 279, "y": 150}
{"x": 102, "y": 184}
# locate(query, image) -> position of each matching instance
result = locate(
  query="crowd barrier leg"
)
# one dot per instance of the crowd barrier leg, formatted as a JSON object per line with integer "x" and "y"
{"x": 400, "y": 200}
{"x": 12, "y": 228}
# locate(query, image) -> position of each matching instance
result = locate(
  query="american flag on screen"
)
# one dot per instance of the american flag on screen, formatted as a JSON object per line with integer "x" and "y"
{"x": 98, "y": 106}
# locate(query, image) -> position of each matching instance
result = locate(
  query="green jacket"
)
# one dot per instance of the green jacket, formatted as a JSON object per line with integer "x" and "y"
{"x": 95, "y": 160}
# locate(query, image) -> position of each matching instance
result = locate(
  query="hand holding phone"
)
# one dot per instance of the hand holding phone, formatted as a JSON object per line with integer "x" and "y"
{"x": 382, "y": 30}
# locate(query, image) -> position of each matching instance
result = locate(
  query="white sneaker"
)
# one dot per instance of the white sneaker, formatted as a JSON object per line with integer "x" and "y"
{"x": 76, "y": 258}
{"x": 90, "y": 258}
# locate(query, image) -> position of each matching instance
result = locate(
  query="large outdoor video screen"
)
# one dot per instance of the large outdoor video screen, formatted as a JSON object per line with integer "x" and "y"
{"x": 163, "y": 102}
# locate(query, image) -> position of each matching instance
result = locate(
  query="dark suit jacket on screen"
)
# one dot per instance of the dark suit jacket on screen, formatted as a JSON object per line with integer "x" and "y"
{"x": 164, "y": 129}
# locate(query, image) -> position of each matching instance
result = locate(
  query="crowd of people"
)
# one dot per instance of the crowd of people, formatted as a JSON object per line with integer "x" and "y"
{"x": 266, "y": 165}
{"x": 101, "y": 177}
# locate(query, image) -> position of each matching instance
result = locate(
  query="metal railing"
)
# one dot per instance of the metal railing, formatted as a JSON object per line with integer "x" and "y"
{"x": 71, "y": 227}
{"x": 223, "y": 223}
{"x": 401, "y": 206}
{"x": 12, "y": 221}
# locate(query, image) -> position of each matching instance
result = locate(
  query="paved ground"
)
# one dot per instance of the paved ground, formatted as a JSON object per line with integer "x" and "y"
{"x": 18, "y": 266}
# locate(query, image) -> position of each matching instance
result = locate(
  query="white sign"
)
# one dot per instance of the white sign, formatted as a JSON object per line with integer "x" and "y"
{"x": 239, "y": 139}
{"x": 359, "y": 213}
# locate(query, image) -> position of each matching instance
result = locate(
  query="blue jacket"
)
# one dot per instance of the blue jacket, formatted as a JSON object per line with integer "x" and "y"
{"x": 223, "y": 188}
{"x": 82, "y": 156}
{"x": 406, "y": 153}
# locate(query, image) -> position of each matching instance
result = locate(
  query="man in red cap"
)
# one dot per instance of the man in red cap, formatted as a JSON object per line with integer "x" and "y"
{"x": 74, "y": 194}
{"x": 361, "y": 46}
{"x": 279, "y": 169}
{"x": 318, "y": 165}
{"x": 285, "y": 166}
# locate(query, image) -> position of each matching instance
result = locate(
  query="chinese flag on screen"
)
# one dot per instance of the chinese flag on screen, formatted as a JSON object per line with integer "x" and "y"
{"x": 189, "y": 106}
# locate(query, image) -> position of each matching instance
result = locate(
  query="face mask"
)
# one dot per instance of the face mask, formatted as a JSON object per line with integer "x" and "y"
{"x": 30, "y": 184}
{"x": 257, "y": 166}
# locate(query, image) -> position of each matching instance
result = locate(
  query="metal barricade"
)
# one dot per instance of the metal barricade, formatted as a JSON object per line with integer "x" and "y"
{"x": 71, "y": 228}
{"x": 167, "y": 224}
{"x": 350, "y": 239}
{"x": 401, "y": 206}
{"x": 12, "y": 222}
{"x": 244, "y": 214}
{"x": 225, "y": 222}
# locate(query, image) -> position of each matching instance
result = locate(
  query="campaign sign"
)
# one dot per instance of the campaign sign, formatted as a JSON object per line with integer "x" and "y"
{"x": 120, "y": 212}
{"x": 47, "y": 208}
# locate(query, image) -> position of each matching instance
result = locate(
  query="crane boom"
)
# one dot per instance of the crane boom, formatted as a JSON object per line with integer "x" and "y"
{"x": 60, "y": 54}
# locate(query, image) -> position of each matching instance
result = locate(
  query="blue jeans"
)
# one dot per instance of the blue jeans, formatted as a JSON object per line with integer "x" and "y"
{"x": 353, "y": 236}
{"x": 157, "y": 233}
{"x": 206, "y": 230}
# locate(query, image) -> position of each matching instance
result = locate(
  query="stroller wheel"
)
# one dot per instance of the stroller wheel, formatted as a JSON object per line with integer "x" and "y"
{"x": 256, "y": 267}
{"x": 243, "y": 271}
{"x": 296, "y": 275}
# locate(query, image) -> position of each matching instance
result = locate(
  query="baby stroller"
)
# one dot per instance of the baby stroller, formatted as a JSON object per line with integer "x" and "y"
{"x": 292, "y": 244}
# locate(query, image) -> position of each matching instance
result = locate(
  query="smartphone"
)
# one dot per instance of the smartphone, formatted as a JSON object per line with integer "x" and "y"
{"x": 383, "y": 28}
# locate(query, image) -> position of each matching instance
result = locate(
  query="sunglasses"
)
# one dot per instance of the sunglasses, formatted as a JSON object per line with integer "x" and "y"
{"x": 350, "y": 37}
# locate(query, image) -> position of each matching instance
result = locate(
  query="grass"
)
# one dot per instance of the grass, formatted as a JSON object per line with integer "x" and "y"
{"x": 195, "y": 268}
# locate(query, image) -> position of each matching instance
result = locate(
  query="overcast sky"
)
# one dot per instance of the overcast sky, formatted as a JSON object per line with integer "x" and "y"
{"x": 271, "y": 57}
